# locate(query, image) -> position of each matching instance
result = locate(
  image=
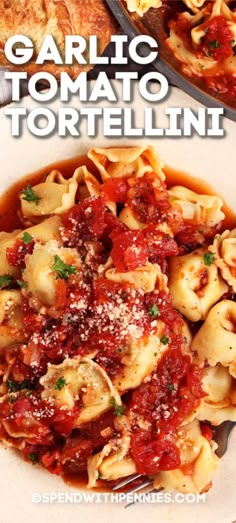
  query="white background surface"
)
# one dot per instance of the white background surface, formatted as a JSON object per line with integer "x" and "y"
{"x": 207, "y": 158}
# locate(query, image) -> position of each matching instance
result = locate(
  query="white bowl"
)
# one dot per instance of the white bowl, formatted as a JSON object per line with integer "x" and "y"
{"x": 210, "y": 159}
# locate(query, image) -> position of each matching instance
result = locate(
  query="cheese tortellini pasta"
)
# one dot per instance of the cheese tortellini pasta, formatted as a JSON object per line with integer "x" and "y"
{"x": 83, "y": 380}
{"x": 144, "y": 278}
{"x": 224, "y": 251}
{"x": 215, "y": 342}
{"x": 200, "y": 208}
{"x": 142, "y": 6}
{"x": 11, "y": 325}
{"x": 194, "y": 286}
{"x": 220, "y": 403}
{"x": 114, "y": 460}
{"x": 39, "y": 275}
{"x": 139, "y": 359}
{"x": 126, "y": 162}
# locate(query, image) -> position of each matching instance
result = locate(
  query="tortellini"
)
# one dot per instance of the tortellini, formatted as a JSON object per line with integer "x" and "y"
{"x": 142, "y": 6}
{"x": 126, "y": 162}
{"x": 215, "y": 342}
{"x": 145, "y": 278}
{"x": 224, "y": 251}
{"x": 11, "y": 326}
{"x": 7, "y": 239}
{"x": 114, "y": 460}
{"x": 200, "y": 208}
{"x": 39, "y": 275}
{"x": 194, "y": 286}
{"x": 194, "y": 5}
{"x": 79, "y": 379}
{"x": 57, "y": 194}
{"x": 139, "y": 358}
{"x": 220, "y": 403}
{"x": 198, "y": 462}
{"x": 128, "y": 217}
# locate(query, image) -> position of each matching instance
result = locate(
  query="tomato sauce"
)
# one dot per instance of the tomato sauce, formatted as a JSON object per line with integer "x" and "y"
{"x": 217, "y": 43}
{"x": 175, "y": 388}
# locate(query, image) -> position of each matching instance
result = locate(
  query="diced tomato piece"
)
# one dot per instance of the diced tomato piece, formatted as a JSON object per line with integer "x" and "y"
{"x": 16, "y": 254}
{"x": 129, "y": 251}
{"x": 52, "y": 462}
{"x": 148, "y": 198}
{"x": 115, "y": 189}
{"x": 218, "y": 38}
{"x": 159, "y": 244}
{"x": 75, "y": 454}
{"x": 84, "y": 221}
{"x": 64, "y": 420}
{"x": 154, "y": 454}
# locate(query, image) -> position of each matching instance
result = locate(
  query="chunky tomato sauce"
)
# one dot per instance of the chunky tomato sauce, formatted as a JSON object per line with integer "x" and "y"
{"x": 217, "y": 42}
{"x": 87, "y": 316}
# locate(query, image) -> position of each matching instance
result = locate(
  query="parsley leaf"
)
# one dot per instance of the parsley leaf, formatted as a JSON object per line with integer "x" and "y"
{"x": 154, "y": 310}
{"x": 15, "y": 386}
{"x": 208, "y": 258}
{"x": 11, "y": 399}
{"x": 60, "y": 383}
{"x": 27, "y": 238}
{"x": 5, "y": 280}
{"x": 214, "y": 44}
{"x": 119, "y": 409}
{"x": 21, "y": 284}
{"x": 30, "y": 195}
{"x": 165, "y": 340}
{"x": 170, "y": 386}
{"x": 33, "y": 457}
{"x": 63, "y": 270}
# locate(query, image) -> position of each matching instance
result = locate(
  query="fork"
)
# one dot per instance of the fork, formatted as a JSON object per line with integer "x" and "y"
{"x": 221, "y": 435}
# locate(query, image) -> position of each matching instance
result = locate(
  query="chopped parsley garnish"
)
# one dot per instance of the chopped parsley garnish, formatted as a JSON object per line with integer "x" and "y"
{"x": 27, "y": 238}
{"x": 60, "y": 383}
{"x": 11, "y": 399}
{"x": 119, "y": 409}
{"x": 30, "y": 195}
{"x": 21, "y": 284}
{"x": 170, "y": 386}
{"x": 14, "y": 386}
{"x": 154, "y": 310}
{"x": 33, "y": 457}
{"x": 218, "y": 237}
{"x": 208, "y": 258}
{"x": 5, "y": 280}
{"x": 165, "y": 340}
{"x": 214, "y": 44}
{"x": 63, "y": 270}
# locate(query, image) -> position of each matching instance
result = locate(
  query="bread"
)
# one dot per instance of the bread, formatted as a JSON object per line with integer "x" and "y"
{"x": 38, "y": 18}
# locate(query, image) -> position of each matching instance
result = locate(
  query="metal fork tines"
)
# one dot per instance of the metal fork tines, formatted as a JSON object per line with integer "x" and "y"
{"x": 221, "y": 435}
